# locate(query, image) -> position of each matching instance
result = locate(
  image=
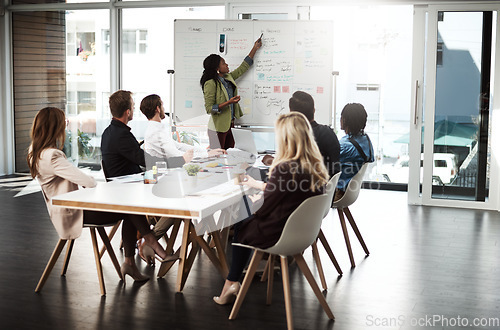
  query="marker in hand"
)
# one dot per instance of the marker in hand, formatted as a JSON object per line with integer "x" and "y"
{"x": 259, "y": 41}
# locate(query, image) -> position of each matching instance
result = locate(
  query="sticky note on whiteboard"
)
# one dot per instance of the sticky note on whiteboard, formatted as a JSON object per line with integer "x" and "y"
{"x": 319, "y": 90}
{"x": 188, "y": 104}
{"x": 285, "y": 89}
{"x": 277, "y": 89}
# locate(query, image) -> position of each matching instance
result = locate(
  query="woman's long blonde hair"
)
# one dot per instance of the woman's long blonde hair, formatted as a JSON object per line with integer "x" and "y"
{"x": 47, "y": 131}
{"x": 295, "y": 143}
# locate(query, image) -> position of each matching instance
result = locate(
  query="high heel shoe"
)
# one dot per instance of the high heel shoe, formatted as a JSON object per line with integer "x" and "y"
{"x": 149, "y": 253}
{"x": 126, "y": 269}
{"x": 148, "y": 259}
{"x": 230, "y": 294}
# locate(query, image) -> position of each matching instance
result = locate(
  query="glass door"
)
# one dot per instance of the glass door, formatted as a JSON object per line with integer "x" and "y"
{"x": 451, "y": 136}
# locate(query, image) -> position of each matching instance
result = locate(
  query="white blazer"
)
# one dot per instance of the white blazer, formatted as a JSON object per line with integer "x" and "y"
{"x": 57, "y": 176}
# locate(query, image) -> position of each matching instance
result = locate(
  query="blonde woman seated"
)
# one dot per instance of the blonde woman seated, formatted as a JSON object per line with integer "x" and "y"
{"x": 57, "y": 175}
{"x": 297, "y": 173}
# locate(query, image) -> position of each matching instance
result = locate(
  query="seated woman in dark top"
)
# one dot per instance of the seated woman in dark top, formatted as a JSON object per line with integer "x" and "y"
{"x": 297, "y": 173}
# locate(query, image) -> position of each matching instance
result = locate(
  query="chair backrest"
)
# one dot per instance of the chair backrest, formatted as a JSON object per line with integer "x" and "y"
{"x": 106, "y": 176}
{"x": 330, "y": 191}
{"x": 353, "y": 188}
{"x": 302, "y": 227}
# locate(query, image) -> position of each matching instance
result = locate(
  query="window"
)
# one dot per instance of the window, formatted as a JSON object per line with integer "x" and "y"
{"x": 148, "y": 38}
{"x": 133, "y": 41}
{"x": 440, "y": 163}
{"x": 367, "y": 87}
{"x": 372, "y": 53}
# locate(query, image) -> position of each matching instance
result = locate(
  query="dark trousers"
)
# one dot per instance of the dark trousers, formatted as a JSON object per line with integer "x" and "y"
{"x": 240, "y": 257}
{"x": 222, "y": 140}
{"x": 131, "y": 224}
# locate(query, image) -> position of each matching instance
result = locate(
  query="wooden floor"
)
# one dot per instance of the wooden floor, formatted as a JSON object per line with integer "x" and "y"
{"x": 425, "y": 263}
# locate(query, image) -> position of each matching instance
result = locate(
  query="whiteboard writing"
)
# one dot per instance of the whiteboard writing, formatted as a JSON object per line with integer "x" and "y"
{"x": 295, "y": 55}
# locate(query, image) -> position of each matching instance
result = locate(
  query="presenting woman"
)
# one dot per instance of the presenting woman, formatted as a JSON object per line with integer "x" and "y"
{"x": 297, "y": 173}
{"x": 221, "y": 96}
{"x": 57, "y": 175}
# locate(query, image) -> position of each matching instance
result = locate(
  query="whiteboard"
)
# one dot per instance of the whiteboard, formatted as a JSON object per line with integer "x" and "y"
{"x": 295, "y": 55}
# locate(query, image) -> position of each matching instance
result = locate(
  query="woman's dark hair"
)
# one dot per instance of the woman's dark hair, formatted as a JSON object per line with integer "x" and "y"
{"x": 47, "y": 131}
{"x": 210, "y": 66}
{"x": 354, "y": 117}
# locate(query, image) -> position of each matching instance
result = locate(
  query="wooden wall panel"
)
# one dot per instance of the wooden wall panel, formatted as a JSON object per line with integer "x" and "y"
{"x": 39, "y": 60}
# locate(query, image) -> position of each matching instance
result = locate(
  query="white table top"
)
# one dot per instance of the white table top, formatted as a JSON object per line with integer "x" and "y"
{"x": 138, "y": 198}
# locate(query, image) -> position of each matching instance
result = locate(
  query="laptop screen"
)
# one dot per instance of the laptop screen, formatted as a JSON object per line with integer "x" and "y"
{"x": 264, "y": 141}
{"x": 243, "y": 140}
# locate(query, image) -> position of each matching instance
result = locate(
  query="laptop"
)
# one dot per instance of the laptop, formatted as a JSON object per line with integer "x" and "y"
{"x": 243, "y": 140}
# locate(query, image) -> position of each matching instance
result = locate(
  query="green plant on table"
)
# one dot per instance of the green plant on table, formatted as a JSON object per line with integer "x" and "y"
{"x": 192, "y": 169}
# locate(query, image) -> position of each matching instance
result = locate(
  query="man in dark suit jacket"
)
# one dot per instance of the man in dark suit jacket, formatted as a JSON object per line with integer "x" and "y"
{"x": 121, "y": 153}
{"x": 324, "y": 135}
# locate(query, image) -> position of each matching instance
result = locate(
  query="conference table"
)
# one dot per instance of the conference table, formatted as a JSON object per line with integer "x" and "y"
{"x": 173, "y": 196}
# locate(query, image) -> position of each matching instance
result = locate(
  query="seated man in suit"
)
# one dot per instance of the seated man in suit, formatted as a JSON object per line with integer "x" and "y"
{"x": 324, "y": 135}
{"x": 121, "y": 153}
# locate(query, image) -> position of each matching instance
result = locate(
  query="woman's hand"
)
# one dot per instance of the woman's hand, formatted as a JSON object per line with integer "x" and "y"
{"x": 258, "y": 43}
{"x": 234, "y": 99}
{"x": 188, "y": 155}
{"x": 256, "y": 46}
{"x": 216, "y": 152}
{"x": 251, "y": 182}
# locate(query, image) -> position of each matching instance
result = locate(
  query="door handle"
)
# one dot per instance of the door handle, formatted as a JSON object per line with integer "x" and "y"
{"x": 415, "y": 116}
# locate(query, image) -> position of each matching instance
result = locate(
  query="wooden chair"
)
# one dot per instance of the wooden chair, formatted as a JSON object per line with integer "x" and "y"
{"x": 115, "y": 227}
{"x": 350, "y": 196}
{"x": 297, "y": 235}
{"x": 330, "y": 190}
{"x": 60, "y": 245}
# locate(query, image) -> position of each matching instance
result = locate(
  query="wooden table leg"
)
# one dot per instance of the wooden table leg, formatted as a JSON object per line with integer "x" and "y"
{"x": 173, "y": 236}
{"x": 183, "y": 255}
{"x": 186, "y": 260}
{"x": 221, "y": 251}
{"x": 217, "y": 262}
